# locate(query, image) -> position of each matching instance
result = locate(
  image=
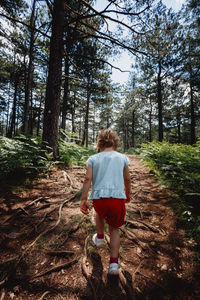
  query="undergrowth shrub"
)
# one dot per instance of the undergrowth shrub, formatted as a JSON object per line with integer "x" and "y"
{"x": 70, "y": 153}
{"x": 178, "y": 166}
{"x": 22, "y": 156}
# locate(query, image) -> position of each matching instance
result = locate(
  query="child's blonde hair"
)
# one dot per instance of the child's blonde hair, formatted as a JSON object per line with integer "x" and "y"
{"x": 107, "y": 138}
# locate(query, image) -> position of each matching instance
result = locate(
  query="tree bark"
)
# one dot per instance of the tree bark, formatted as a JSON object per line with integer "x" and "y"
{"x": 53, "y": 90}
{"x": 150, "y": 122}
{"x": 12, "y": 123}
{"x": 66, "y": 94}
{"x": 192, "y": 116}
{"x": 178, "y": 119}
{"x": 30, "y": 72}
{"x": 85, "y": 132}
{"x": 133, "y": 129}
{"x": 39, "y": 116}
{"x": 160, "y": 107}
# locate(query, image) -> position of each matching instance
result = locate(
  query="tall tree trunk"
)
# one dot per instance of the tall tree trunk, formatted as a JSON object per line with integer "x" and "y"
{"x": 66, "y": 94}
{"x": 160, "y": 107}
{"x": 39, "y": 116}
{"x": 73, "y": 110}
{"x": 8, "y": 109}
{"x": 192, "y": 116}
{"x": 178, "y": 122}
{"x": 124, "y": 132}
{"x": 31, "y": 107}
{"x": 150, "y": 122}
{"x": 85, "y": 132}
{"x": 52, "y": 101}
{"x": 133, "y": 129}
{"x": 30, "y": 71}
{"x": 12, "y": 123}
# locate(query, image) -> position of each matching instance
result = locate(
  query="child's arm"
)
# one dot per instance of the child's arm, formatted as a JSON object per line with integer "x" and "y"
{"x": 85, "y": 206}
{"x": 127, "y": 183}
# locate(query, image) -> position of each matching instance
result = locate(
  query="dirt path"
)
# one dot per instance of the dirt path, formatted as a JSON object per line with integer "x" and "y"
{"x": 46, "y": 250}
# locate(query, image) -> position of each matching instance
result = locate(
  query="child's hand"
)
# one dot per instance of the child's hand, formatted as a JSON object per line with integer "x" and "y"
{"x": 85, "y": 207}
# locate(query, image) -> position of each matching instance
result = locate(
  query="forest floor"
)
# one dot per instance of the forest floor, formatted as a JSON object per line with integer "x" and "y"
{"x": 46, "y": 250}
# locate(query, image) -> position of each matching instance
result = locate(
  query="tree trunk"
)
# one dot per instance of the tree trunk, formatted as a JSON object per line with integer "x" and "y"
{"x": 85, "y": 132}
{"x": 31, "y": 120}
{"x": 159, "y": 99}
{"x": 124, "y": 131}
{"x": 52, "y": 101}
{"x": 30, "y": 72}
{"x": 192, "y": 116}
{"x": 133, "y": 128}
{"x": 39, "y": 116}
{"x": 66, "y": 94}
{"x": 150, "y": 122}
{"x": 12, "y": 123}
{"x": 178, "y": 119}
{"x": 73, "y": 110}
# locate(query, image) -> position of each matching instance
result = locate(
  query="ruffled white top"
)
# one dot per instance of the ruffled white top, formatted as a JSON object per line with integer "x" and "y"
{"x": 107, "y": 176}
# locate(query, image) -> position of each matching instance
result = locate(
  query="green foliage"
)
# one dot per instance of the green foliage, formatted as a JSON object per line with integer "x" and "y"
{"x": 70, "y": 153}
{"x": 178, "y": 166}
{"x": 23, "y": 156}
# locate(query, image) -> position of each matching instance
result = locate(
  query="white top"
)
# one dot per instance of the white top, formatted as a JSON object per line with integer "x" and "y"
{"x": 108, "y": 177}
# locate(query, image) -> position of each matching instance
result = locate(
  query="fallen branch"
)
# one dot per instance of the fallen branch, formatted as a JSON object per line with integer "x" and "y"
{"x": 55, "y": 269}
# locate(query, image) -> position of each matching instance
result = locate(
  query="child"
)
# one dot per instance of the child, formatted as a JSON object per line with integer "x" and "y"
{"x": 108, "y": 171}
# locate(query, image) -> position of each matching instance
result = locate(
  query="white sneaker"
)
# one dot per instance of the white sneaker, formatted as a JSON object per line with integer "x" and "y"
{"x": 96, "y": 241}
{"x": 113, "y": 269}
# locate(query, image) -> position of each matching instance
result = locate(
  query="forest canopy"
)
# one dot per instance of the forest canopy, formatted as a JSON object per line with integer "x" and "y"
{"x": 56, "y": 71}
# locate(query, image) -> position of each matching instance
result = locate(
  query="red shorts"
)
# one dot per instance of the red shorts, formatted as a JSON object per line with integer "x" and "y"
{"x": 111, "y": 209}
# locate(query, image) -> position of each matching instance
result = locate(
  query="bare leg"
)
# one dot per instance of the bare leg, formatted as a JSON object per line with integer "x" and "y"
{"x": 99, "y": 224}
{"x": 114, "y": 241}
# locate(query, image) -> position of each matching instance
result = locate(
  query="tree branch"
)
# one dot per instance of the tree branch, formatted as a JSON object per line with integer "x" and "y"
{"x": 111, "y": 19}
{"x": 21, "y": 22}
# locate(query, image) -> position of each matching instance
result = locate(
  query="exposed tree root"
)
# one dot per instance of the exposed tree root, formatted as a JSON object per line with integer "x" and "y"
{"x": 37, "y": 200}
{"x": 60, "y": 253}
{"x": 85, "y": 269}
{"x": 66, "y": 176}
{"x": 53, "y": 227}
{"x": 43, "y": 295}
{"x": 153, "y": 229}
{"x": 128, "y": 290}
{"x": 3, "y": 294}
{"x": 55, "y": 269}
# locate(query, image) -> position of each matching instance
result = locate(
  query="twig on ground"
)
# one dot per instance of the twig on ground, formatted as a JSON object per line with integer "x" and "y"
{"x": 55, "y": 269}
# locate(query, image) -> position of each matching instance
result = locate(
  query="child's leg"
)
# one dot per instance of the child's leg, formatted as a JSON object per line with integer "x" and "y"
{"x": 114, "y": 242}
{"x": 99, "y": 225}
